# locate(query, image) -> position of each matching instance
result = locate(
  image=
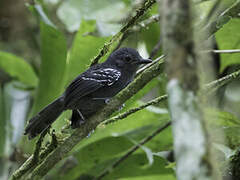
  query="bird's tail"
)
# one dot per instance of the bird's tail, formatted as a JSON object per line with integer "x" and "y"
{"x": 44, "y": 118}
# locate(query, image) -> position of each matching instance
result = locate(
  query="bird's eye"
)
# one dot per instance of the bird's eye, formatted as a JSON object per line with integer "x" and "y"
{"x": 128, "y": 58}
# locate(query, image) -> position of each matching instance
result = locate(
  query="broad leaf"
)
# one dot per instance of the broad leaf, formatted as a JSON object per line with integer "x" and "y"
{"x": 105, "y": 12}
{"x": 228, "y": 37}
{"x": 53, "y": 64}
{"x": 18, "y": 68}
{"x": 103, "y": 145}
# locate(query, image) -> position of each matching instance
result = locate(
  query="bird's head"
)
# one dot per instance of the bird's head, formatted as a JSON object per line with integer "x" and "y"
{"x": 127, "y": 59}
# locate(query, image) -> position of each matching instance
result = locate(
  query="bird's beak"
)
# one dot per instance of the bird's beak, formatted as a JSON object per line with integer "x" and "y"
{"x": 145, "y": 61}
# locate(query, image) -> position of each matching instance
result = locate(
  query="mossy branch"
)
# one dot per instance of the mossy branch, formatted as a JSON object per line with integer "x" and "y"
{"x": 223, "y": 18}
{"x": 107, "y": 46}
{"x": 222, "y": 81}
{"x": 212, "y": 86}
{"x": 193, "y": 160}
{"x": 133, "y": 110}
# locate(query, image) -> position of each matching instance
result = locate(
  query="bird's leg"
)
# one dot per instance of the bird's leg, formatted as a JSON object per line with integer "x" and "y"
{"x": 77, "y": 119}
{"x": 80, "y": 114}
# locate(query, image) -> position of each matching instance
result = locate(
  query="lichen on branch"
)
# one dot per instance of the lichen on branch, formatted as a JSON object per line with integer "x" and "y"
{"x": 109, "y": 45}
{"x": 191, "y": 143}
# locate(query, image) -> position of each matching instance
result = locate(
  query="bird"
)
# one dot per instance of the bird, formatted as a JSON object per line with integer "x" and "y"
{"x": 90, "y": 91}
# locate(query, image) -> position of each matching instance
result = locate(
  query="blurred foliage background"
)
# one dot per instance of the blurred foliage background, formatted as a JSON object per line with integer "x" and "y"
{"x": 45, "y": 44}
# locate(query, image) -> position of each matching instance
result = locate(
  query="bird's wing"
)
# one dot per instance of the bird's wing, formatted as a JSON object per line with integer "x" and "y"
{"x": 89, "y": 82}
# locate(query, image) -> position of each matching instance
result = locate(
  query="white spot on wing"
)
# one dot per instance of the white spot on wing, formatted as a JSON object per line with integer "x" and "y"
{"x": 105, "y": 76}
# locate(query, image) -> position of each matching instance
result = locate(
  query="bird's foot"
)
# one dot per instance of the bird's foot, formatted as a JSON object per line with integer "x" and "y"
{"x": 90, "y": 133}
{"x": 121, "y": 107}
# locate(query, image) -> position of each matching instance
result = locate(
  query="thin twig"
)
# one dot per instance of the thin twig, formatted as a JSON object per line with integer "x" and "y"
{"x": 39, "y": 145}
{"x": 223, "y": 18}
{"x": 212, "y": 11}
{"x": 124, "y": 36}
{"x": 107, "y": 46}
{"x": 222, "y": 81}
{"x": 145, "y": 23}
{"x": 225, "y": 51}
{"x": 138, "y": 27}
{"x": 133, "y": 110}
{"x": 34, "y": 159}
{"x": 132, "y": 150}
{"x": 214, "y": 85}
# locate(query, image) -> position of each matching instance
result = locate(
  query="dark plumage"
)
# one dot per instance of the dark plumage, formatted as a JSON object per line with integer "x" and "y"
{"x": 90, "y": 90}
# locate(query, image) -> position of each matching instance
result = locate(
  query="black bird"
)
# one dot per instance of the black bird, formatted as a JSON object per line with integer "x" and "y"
{"x": 90, "y": 91}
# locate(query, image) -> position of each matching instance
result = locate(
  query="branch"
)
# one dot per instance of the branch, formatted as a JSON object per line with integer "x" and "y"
{"x": 223, "y": 18}
{"x": 145, "y": 23}
{"x": 30, "y": 165}
{"x": 107, "y": 46}
{"x": 222, "y": 81}
{"x": 27, "y": 164}
{"x": 214, "y": 85}
{"x": 61, "y": 151}
{"x": 138, "y": 27}
{"x": 132, "y": 150}
{"x": 225, "y": 51}
{"x": 213, "y": 26}
{"x": 191, "y": 141}
{"x": 37, "y": 156}
{"x": 133, "y": 110}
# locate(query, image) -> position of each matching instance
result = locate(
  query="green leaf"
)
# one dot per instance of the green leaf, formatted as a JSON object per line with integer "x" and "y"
{"x": 222, "y": 121}
{"x": 53, "y": 66}
{"x": 136, "y": 126}
{"x": 103, "y": 145}
{"x": 84, "y": 48}
{"x": 104, "y": 12}
{"x": 232, "y": 135}
{"x": 228, "y": 37}
{"x": 151, "y": 85}
{"x": 18, "y": 68}
{"x": 151, "y": 36}
{"x": 222, "y": 118}
{"x": 135, "y": 167}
